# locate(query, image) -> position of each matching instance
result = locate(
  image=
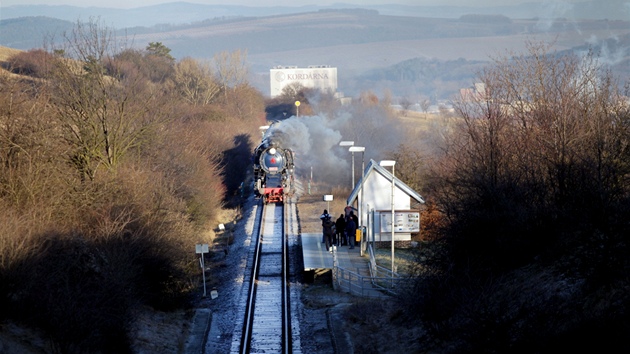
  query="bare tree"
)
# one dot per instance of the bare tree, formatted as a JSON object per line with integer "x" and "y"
{"x": 410, "y": 166}
{"x": 29, "y": 155}
{"x": 405, "y": 103}
{"x": 424, "y": 105}
{"x": 291, "y": 92}
{"x": 102, "y": 118}
{"x": 231, "y": 69}
{"x": 195, "y": 82}
{"x": 543, "y": 141}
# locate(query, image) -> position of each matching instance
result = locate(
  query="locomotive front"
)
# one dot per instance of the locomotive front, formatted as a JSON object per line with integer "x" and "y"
{"x": 273, "y": 172}
{"x": 272, "y": 161}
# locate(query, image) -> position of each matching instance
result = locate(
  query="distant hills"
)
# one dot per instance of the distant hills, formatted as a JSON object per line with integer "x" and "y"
{"x": 177, "y": 13}
{"x": 408, "y": 50}
{"x": 32, "y": 31}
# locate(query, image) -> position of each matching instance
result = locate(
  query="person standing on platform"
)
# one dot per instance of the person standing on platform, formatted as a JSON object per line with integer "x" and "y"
{"x": 329, "y": 230}
{"x": 351, "y": 230}
{"x": 323, "y": 218}
{"x": 341, "y": 230}
{"x": 355, "y": 218}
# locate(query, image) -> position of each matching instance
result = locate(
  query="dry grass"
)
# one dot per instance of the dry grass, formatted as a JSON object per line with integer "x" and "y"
{"x": 404, "y": 259}
{"x": 310, "y": 207}
{"x": 418, "y": 122}
{"x": 6, "y": 53}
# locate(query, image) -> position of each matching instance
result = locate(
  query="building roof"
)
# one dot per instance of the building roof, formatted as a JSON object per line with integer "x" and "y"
{"x": 373, "y": 167}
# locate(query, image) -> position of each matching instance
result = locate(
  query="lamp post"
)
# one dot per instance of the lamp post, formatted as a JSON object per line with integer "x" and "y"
{"x": 391, "y": 163}
{"x": 354, "y": 149}
{"x": 349, "y": 143}
{"x": 361, "y": 149}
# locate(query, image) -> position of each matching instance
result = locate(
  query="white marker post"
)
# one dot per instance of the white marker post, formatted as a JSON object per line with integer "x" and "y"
{"x": 202, "y": 248}
{"x": 227, "y": 239}
{"x": 328, "y": 198}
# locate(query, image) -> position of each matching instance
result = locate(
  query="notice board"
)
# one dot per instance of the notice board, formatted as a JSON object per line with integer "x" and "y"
{"x": 407, "y": 221}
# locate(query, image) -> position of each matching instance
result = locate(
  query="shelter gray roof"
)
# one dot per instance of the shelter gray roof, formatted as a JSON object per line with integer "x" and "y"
{"x": 373, "y": 167}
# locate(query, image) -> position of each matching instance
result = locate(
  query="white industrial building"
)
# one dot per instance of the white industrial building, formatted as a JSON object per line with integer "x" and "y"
{"x": 322, "y": 77}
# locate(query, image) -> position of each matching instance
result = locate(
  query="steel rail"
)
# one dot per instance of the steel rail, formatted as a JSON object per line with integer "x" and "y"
{"x": 267, "y": 289}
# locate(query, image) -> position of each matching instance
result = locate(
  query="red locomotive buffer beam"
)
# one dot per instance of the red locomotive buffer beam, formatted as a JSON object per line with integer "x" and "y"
{"x": 274, "y": 195}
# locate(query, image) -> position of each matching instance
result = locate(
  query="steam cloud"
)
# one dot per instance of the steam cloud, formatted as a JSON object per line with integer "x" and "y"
{"x": 315, "y": 145}
{"x": 552, "y": 10}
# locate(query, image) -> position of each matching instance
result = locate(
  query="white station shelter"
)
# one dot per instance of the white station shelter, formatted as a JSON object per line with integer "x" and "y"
{"x": 377, "y": 214}
{"x": 374, "y": 205}
{"x": 322, "y": 77}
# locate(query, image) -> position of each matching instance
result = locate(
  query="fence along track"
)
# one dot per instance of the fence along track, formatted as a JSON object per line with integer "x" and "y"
{"x": 267, "y": 326}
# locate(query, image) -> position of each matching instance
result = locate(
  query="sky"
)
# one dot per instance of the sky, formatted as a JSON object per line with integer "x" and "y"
{"x": 141, "y": 3}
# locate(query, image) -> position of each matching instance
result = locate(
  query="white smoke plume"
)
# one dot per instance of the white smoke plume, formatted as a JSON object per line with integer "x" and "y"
{"x": 611, "y": 51}
{"x": 551, "y": 10}
{"x": 315, "y": 139}
{"x": 315, "y": 145}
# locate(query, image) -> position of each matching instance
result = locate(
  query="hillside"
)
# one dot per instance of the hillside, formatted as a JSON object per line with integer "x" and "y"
{"x": 6, "y": 53}
{"x": 180, "y": 12}
{"x": 365, "y": 45}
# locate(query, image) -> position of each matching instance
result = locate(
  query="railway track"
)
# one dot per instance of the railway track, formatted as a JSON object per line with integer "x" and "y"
{"x": 266, "y": 324}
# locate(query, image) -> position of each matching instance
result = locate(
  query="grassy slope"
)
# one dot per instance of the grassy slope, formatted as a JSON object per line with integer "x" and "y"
{"x": 6, "y": 53}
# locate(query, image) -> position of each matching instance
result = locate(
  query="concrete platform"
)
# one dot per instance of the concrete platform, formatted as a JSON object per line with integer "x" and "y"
{"x": 317, "y": 259}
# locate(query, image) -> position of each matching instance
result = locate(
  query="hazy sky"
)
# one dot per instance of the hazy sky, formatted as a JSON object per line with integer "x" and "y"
{"x": 140, "y": 3}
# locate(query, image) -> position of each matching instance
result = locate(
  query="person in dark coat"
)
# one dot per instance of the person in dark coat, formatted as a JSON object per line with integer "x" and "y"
{"x": 325, "y": 216}
{"x": 351, "y": 230}
{"x": 329, "y": 230}
{"x": 341, "y": 231}
{"x": 355, "y": 218}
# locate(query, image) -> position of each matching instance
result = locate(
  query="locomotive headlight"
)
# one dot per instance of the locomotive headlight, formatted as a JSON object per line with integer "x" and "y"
{"x": 272, "y": 151}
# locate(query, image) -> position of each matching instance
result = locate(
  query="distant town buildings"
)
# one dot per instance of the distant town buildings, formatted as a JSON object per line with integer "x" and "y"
{"x": 475, "y": 93}
{"x": 322, "y": 77}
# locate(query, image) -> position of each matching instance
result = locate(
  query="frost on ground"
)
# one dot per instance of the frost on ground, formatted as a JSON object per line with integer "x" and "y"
{"x": 319, "y": 308}
{"x": 322, "y": 312}
{"x": 317, "y": 301}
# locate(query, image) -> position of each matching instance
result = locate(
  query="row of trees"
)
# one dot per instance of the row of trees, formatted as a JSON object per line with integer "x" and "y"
{"x": 531, "y": 251}
{"x": 113, "y": 162}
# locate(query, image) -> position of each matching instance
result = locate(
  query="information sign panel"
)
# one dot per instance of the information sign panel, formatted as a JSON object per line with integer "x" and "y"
{"x": 201, "y": 248}
{"x": 404, "y": 221}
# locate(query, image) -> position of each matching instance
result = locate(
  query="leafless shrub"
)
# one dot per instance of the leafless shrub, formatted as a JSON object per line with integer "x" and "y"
{"x": 105, "y": 183}
{"x": 35, "y": 63}
{"x": 405, "y": 104}
{"x": 531, "y": 176}
{"x": 195, "y": 82}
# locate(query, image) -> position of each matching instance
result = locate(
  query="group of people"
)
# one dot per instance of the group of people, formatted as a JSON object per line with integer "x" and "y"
{"x": 340, "y": 232}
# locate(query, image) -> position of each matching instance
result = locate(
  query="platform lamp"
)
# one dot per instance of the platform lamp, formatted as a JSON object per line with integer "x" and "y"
{"x": 349, "y": 143}
{"x": 354, "y": 149}
{"x": 392, "y": 163}
{"x": 360, "y": 149}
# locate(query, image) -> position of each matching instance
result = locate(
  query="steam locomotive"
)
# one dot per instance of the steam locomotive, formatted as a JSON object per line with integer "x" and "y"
{"x": 273, "y": 171}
